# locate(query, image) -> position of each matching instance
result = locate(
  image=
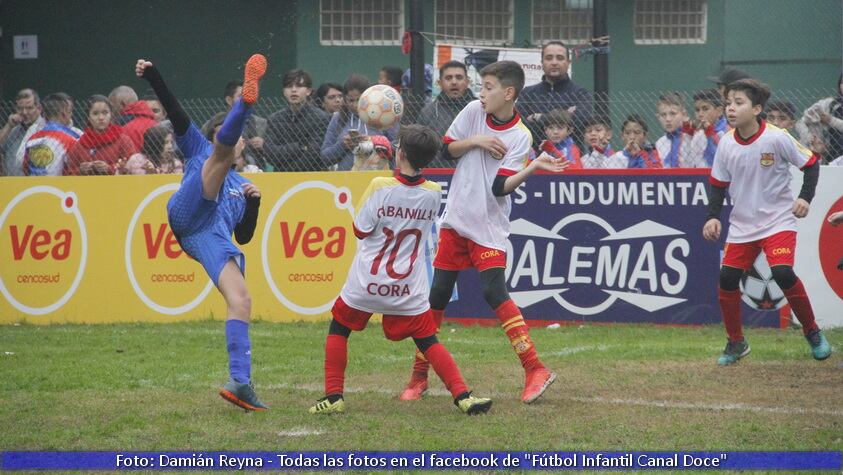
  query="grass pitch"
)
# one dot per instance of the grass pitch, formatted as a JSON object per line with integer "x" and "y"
{"x": 620, "y": 387}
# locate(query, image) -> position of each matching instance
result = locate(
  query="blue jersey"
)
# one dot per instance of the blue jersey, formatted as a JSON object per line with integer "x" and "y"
{"x": 202, "y": 226}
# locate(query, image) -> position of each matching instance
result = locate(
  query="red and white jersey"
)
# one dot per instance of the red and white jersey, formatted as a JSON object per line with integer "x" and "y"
{"x": 756, "y": 170}
{"x": 393, "y": 223}
{"x": 472, "y": 210}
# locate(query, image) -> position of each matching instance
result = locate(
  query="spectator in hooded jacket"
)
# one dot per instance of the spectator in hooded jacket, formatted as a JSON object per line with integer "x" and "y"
{"x": 133, "y": 115}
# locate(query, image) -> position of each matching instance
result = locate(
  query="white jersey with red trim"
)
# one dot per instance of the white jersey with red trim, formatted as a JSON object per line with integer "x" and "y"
{"x": 756, "y": 170}
{"x": 393, "y": 223}
{"x": 472, "y": 210}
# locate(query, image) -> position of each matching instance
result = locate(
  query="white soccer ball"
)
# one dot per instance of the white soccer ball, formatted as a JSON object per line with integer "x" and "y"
{"x": 760, "y": 291}
{"x": 380, "y": 106}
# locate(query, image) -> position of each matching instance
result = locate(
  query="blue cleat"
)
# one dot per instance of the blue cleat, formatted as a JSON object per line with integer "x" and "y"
{"x": 820, "y": 348}
{"x": 734, "y": 351}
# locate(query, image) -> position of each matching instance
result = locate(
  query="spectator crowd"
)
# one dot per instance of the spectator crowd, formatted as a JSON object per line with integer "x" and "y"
{"x": 317, "y": 129}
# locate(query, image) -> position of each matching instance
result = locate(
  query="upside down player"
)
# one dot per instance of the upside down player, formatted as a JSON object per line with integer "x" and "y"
{"x": 394, "y": 218}
{"x": 753, "y": 161}
{"x": 213, "y": 202}
{"x": 492, "y": 146}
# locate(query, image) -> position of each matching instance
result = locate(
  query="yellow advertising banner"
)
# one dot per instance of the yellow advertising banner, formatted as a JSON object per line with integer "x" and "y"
{"x": 99, "y": 249}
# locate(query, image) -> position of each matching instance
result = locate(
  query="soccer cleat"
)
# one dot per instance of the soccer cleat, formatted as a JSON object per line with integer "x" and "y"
{"x": 473, "y": 405}
{"x": 242, "y": 395}
{"x": 734, "y": 351}
{"x": 414, "y": 390}
{"x": 820, "y": 348}
{"x": 537, "y": 381}
{"x": 325, "y": 406}
{"x": 255, "y": 69}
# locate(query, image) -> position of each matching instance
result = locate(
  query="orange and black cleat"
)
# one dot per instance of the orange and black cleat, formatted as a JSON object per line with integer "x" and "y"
{"x": 255, "y": 69}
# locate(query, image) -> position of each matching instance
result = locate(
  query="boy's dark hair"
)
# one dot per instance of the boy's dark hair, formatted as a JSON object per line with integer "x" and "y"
{"x": 393, "y": 75}
{"x": 785, "y": 107}
{"x": 453, "y": 64}
{"x": 149, "y": 95}
{"x": 215, "y": 121}
{"x": 419, "y": 143}
{"x": 554, "y": 43}
{"x": 509, "y": 73}
{"x": 55, "y": 104}
{"x": 558, "y": 117}
{"x": 296, "y": 77}
{"x": 323, "y": 89}
{"x": 756, "y": 91}
{"x": 712, "y": 96}
{"x": 637, "y": 119}
{"x": 596, "y": 119}
{"x": 231, "y": 88}
{"x": 356, "y": 82}
{"x": 671, "y": 98}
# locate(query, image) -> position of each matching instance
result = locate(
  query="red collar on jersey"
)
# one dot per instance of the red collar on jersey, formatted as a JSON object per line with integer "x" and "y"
{"x": 409, "y": 180}
{"x": 749, "y": 140}
{"x": 491, "y": 123}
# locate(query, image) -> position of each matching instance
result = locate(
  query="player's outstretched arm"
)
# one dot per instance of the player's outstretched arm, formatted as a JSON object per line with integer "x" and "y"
{"x": 542, "y": 162}
{"x": 178, "y": 117}
{"x": 245, "y": 229}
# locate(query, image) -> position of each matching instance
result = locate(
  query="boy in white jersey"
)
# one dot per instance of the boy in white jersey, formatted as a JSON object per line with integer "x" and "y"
{"x": 492, "y": 146}
{"x": 393, "y": 221}
{"x": 753, "y": 160}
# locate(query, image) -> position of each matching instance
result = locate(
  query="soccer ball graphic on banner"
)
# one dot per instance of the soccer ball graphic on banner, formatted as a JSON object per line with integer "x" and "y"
{"x": 380, "y": 106}
{"x": 759, "y": 289}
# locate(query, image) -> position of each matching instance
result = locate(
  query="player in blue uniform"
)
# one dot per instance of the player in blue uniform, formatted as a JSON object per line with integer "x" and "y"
{"x": 213, "y": 202}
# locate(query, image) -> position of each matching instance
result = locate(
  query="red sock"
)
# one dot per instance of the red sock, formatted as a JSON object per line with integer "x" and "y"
{"x": 801, "y": 306}
{"x": 730, "y": 306}
{"x": 336, "y": 359}
{"x": 519, "y": 335}
{"x": 421, "y": 365}
{"x": 444, "y": 365}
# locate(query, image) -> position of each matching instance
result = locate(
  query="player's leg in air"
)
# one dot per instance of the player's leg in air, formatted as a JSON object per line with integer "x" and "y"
{"x": 192, "y": 212}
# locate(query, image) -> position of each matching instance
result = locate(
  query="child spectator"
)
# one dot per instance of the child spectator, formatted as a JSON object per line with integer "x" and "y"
{"x": 391, "y": 76}
{"x": 637, "y": 152}
{"x": 45, "y": 153}
{"x": 102, "y": 145}
{"x": 155, "y": 106}
{"x": 598, "y": 133}
{"x": 329, "y": 97}
{"x": 346, "y": 130}
{"x": 679, "y": 147}
{"x": 708, "y": 105}
{"x": 156, "y": 156}
{"x": 782, "y": 114}
{"x": 558, "y": 125}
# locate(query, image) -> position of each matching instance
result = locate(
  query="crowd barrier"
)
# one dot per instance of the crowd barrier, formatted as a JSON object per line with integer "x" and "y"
{"x": 608, "y": 246}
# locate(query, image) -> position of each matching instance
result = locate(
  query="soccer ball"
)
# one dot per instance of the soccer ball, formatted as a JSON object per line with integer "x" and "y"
{"x": 760, "y": 291}
{"x": 380, "y": 106}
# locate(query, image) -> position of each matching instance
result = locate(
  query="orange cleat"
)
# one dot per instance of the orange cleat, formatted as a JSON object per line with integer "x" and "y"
{"x": 536, "y": 383}
{"x": 414, "y": 390}
{"x": 255, "y": 69}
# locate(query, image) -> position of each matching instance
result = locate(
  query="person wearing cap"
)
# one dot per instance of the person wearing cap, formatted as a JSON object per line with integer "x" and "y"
{"x": 726, "y": 77}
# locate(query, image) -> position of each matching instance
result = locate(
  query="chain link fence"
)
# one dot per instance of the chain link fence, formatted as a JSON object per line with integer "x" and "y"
{"x": 633, "y": 134}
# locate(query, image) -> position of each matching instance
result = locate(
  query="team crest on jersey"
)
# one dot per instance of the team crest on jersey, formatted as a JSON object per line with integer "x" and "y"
{"x": 768, "y": 159}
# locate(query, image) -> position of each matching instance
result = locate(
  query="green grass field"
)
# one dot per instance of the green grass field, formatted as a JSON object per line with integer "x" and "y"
{"x": 620, "y": 387}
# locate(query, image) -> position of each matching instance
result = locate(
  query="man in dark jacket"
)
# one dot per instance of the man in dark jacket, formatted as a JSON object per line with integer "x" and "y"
{"x": 294, "y": 134}
{"x": 454, "y": 96}
{"x": 555, "y": 91}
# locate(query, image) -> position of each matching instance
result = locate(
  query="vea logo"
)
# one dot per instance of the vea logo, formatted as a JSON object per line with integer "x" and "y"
{"x": 44, "y": 249}
{"x": 307, "y": 246}
{"x": 643, "y": 265}
{"x": 162, "y": 275}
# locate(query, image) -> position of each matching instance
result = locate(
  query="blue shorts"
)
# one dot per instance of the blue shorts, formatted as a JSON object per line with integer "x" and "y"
{"x": 199, "y": 229}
